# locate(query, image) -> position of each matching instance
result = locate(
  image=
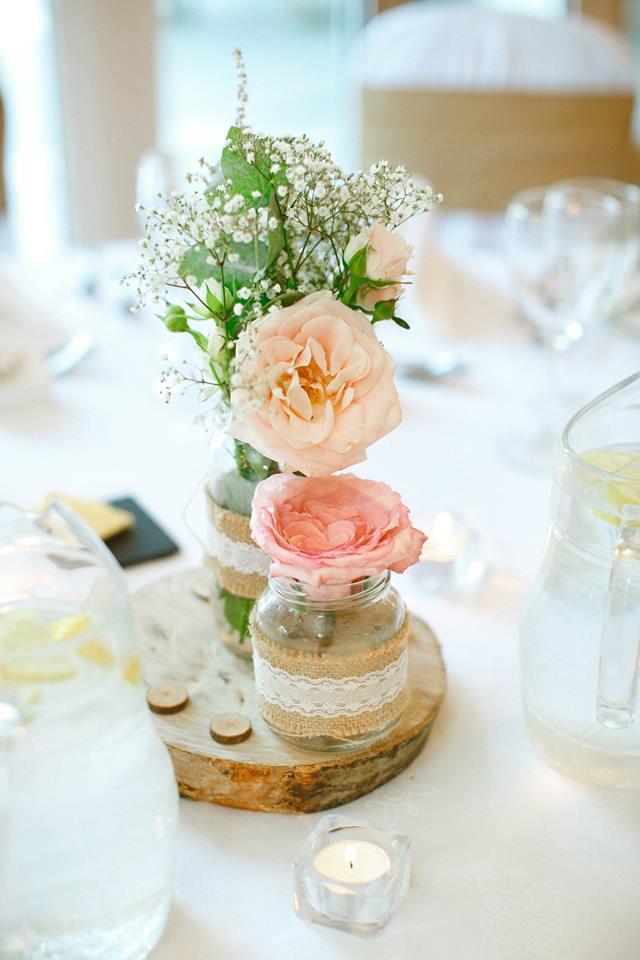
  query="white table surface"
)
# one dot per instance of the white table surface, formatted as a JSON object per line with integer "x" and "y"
{"x": 510, "y": 860}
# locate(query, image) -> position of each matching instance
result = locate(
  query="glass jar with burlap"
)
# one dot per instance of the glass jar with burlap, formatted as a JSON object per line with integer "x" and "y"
{"x": 238, "y": 568}
{"x": 330, "y": 663}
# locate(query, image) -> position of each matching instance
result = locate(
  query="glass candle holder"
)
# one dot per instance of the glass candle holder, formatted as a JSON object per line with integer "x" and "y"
{"x": 451, "y": 559}
{"x": 350, "y": 875}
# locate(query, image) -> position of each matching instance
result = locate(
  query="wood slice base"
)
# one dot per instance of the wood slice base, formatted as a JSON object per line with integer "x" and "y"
{"x": 179, "y": 645}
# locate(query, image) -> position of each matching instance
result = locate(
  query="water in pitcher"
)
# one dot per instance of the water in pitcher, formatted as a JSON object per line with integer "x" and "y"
{"x": 89, "y": 806}
{"x": 565, "y": 615}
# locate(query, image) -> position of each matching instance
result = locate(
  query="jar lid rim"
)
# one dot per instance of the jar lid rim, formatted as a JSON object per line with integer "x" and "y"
{"x": 360, "y": 590}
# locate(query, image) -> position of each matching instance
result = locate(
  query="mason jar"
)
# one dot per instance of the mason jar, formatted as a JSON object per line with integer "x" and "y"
{"x": 330, "y": 662}
{"x": 238, "y": 568}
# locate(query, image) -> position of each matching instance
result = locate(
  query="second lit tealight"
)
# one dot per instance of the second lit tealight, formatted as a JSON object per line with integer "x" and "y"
{"x": 451, "y": 558}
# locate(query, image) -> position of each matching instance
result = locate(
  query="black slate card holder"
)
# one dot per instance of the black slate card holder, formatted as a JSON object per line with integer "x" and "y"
{"x": 144, "y": 541}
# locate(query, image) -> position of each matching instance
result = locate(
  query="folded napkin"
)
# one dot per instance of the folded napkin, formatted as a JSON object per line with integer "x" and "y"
{"x": 105, "y": 520}
{"x": 27, "y": 335}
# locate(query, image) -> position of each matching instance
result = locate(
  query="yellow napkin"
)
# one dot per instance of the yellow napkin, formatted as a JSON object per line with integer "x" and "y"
{"x": 104, "y": 519}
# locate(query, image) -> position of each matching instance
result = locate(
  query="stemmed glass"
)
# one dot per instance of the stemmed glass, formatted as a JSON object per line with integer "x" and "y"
{"x": 562, "y": 245}
{"x": 628, "y": 195}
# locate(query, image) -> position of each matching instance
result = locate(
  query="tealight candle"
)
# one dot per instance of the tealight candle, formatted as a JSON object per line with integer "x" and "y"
{"x": 350, "y": 875}
{"x": 356, "y": 861}
{"x": 447, "y": 537}
{"x": 450, "y": 558}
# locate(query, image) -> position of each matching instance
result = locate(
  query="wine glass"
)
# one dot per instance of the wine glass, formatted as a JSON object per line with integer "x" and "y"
{"x": 628, "y": 195}
{"x": 561, "y": 244}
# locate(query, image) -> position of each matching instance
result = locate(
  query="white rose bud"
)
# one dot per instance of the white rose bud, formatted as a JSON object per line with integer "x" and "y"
{"x": 387, "y": 257}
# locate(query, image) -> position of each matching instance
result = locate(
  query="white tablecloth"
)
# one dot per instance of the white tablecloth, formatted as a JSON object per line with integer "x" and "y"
{"x": 510, "y": 860}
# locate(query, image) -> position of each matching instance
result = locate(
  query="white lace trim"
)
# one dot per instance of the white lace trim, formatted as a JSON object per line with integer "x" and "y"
{"x": 324, "y": 697}
{"x": 242, "y": 557}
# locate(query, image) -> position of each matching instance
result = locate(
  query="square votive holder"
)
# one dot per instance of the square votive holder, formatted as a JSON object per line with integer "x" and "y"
{"x": 350, "y": 875}
{"x": 451, "y": 560}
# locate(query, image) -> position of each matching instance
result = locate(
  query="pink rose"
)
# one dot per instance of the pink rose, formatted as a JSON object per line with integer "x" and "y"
{"x": 332, "y": 530}
{"x": 387, "y": 257}
{"x": 314, "y": 386}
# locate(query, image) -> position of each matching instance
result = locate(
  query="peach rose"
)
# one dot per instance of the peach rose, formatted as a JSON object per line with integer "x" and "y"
{"x": 332, "y": 530}
{"x": 387, "y": 257}
{"x": 314, "y": 386}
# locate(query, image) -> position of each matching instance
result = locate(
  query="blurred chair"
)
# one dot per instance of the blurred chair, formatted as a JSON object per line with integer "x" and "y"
{"x": 484, "y": 103}
{"x": 105, "y": 60}
{"x": 609, "y": 11}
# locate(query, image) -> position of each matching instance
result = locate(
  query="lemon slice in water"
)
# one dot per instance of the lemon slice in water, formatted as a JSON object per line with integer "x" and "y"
{"x": 39, "y": 669}
{"x": 627, "y": 466}
{"x": 21, "y": 630}
{"x": 95, "y": 651}
{"x": 69, "y": 627}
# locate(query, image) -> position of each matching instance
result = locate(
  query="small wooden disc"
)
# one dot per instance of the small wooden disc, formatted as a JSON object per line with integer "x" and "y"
{"x": 167, "y": 697}
{"x": 230, "y": 728}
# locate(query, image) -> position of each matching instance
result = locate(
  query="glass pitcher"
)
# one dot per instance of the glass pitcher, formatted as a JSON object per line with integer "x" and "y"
{"x": 580, "y": 633}
{"x": 88, "y": 799}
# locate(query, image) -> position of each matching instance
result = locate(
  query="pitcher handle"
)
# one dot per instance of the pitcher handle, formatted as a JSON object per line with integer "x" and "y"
{"x": 620, "y": 650}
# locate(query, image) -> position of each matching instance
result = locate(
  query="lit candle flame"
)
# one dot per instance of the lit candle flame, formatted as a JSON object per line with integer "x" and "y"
{"x": 350, "y": 856}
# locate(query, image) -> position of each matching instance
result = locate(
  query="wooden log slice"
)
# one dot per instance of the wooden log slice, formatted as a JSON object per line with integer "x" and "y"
{"x": 179, "y": 645}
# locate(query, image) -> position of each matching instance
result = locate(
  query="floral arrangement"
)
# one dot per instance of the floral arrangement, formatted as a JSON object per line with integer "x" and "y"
{"x": 256, "y": 235}
{"x": 279, "y": 264}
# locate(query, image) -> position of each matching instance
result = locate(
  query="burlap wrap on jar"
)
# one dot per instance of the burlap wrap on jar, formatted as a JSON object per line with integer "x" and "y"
{"x": 239, "y": 565}
{"x": 236, "y": 564}
{"x": 314, "y": 694}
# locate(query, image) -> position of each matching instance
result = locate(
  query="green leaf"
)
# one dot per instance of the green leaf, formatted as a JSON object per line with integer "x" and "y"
{"x": 198, "y": 262}
{"x": 233, "y": 326}
{"x": 358, "y": 264}
{"x": 401, "y": 323}
{"x": 202, "y": 312}
{"x": 213, "y": 303}
{"x": 292, "y": 296}
{"x": 379, "y": 284}
{"x": 212, "y": 188}
{"x": 245, "y": 178}
{"x": 253, "y": 257}
{"x": 237, "y": 611}
{"x": 383, "y": 310}
{"x": 199, "y": 338}
{"x": 236, "y": 275}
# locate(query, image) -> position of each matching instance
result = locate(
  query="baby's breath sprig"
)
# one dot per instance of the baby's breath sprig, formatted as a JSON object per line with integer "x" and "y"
{"x": 264, "y": 227}
{"x": 242, "y": 95}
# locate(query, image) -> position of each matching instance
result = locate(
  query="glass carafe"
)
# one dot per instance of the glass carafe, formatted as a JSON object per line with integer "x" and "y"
{"x": 88, "y": 800}
{"x": 580, "y": 635}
